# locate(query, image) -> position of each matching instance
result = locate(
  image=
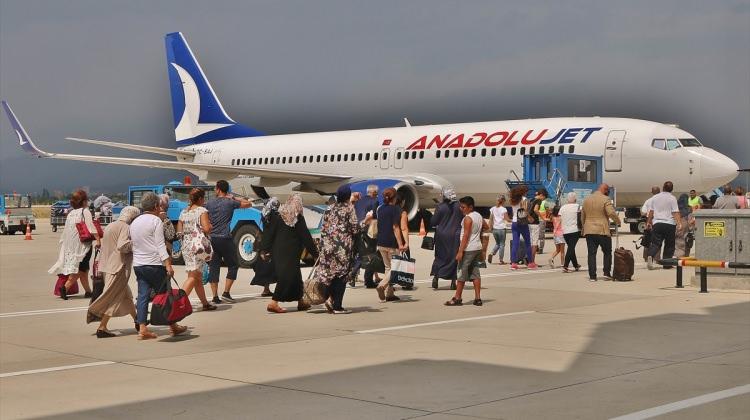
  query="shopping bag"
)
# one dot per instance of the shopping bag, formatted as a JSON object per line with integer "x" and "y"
{"x": 314, "y": 291}
{"x": 61, "y": 279}
{"x": 402, "y": 270}
{"x": 206, "y": 274}
{"x": 171, "y": 306}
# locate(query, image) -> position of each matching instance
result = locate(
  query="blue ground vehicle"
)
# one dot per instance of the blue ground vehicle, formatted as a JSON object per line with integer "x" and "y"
{"x": 15, "y": 213}
{"x": 246, "y": 224}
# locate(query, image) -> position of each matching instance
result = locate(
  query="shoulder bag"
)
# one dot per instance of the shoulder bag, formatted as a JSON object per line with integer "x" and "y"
{"x": 83, "y": 230}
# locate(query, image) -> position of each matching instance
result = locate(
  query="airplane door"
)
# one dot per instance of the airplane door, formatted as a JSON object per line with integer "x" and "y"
{"x": 613, "y": 151}
{"x": 398, "y": 160}
{"x": 215, "y": 156}
{"x": 385, "y": 155}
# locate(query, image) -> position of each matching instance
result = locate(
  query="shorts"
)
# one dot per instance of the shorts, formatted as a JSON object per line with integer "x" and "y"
{"x": 84, "y": 264}
{"x": 467, "y": 269}
{"x": 559, "y": 240}
{"x": 534, "y": 234}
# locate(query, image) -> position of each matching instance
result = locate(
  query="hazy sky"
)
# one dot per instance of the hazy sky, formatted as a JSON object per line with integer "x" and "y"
{"x": 97, "y": 69}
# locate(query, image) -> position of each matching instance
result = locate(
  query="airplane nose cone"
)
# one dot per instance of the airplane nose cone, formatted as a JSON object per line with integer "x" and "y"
{"x": 717, "y": 169}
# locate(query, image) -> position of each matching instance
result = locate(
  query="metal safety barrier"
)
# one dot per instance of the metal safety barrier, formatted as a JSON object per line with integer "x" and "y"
{"x": 703, "y": 264}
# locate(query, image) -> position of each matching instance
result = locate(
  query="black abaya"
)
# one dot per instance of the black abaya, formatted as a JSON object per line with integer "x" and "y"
{"x": 447, "y": 224}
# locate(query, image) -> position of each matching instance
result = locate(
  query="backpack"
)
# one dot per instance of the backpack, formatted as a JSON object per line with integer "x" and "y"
{"x": 522, "y": 214}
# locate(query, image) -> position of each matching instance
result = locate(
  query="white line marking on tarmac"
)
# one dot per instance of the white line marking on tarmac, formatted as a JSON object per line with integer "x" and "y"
{"x": 450, "y": 321}
{"x": 690, "y": 402}
{"x": 54, "y": 369}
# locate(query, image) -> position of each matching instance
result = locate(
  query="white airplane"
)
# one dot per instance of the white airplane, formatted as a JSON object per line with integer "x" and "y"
{"x": 474, "y": 158}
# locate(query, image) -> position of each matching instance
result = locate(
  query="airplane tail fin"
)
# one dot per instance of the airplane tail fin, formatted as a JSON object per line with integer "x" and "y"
{"x": 198, "y": 114}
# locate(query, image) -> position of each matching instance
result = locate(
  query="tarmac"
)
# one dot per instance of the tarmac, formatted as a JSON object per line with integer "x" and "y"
{"x": 544, "y": 345}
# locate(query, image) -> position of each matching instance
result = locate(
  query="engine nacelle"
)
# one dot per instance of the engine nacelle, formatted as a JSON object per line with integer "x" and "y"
{"x": 406, "y": 189}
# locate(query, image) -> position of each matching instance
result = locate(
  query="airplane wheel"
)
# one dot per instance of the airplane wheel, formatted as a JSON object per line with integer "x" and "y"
{"x": 641, "y": 227}
{"x": 246, "y": 240}
{"x": 3, "y": 230}
{"x": 634, "y": 228}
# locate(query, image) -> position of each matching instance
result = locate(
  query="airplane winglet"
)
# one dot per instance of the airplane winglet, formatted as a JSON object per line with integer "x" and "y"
{"x": 23, "y": 138}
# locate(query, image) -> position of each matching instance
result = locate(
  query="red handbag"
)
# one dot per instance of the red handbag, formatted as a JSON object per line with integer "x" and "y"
{"x": 171, "y": 306}
{"x": 61, "y": 279}
{"x": 83, "y": 230}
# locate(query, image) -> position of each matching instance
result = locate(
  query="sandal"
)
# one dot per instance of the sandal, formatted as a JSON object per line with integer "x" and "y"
{"x": 329, "y": 308}
{"x": 209, "y": 307}
{"x": 454, "y": 302}
{"x": 146, "y": 336}
{"x": 266, "y": 294}
{"x": 477, "y": 302}
{"x": 178, "y": 330}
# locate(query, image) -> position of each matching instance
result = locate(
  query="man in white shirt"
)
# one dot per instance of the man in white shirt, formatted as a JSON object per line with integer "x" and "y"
{"x": 498, "y": 216}
{"x": 151, "y": 262}
{"x": 663, "y": 220}
{"x": 647, "y": 205}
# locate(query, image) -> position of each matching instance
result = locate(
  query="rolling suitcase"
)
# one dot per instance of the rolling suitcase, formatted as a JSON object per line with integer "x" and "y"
{"x": 623, "y": 264}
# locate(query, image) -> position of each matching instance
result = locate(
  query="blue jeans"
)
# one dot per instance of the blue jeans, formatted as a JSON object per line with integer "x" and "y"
{"x": 499, "y": 235}
{"x": 149, "y": 277}
{"x": 518, "y": 231}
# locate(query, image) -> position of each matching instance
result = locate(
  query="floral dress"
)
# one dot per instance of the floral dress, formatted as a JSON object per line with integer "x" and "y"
{"x": 337, "y": 233}
{"x": 191, "y": 221}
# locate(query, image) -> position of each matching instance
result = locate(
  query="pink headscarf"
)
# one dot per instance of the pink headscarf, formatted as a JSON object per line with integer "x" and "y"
{"x": 290, "y": 210}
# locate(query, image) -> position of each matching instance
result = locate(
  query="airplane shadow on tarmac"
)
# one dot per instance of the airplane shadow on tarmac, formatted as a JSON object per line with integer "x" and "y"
{"x": 654, "y": 358}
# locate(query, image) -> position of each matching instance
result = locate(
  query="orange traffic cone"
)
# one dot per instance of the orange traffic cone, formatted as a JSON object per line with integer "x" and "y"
{"x": 422, "y": 230}
{"x": 28, "y": 232}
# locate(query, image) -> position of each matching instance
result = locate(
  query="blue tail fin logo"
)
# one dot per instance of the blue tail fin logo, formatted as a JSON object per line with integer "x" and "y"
{"x": 198, "y": 114}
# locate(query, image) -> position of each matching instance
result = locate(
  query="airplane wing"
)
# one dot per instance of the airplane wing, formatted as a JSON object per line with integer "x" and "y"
{"x": 215, "y": 170}
{"x": 183, "y": 154}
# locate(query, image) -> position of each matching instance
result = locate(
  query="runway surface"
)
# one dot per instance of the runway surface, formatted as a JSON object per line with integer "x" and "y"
{"x": 544, "y": 345}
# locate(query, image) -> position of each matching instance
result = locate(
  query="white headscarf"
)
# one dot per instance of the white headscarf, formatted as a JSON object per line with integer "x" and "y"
{"x": 127, "y": 214}
{"x": 272, "y": 205}
{"x": 449, "y": 194}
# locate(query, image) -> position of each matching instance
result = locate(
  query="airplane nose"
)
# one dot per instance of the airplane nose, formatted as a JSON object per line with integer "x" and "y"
{"x": 717, "y": 169}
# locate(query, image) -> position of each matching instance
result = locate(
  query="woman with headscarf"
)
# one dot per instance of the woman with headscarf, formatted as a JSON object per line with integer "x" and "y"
{"x": 283, "y": 239}
{"x": 264, "y": 272}
{"x": 74, "y": 256}
{"x": 680, "y": 238}
{"x": 338, "y": 229}
{"x": 115, "y": 262}
{"x": 170, "y": 233}
{"x": 447, "y": 224}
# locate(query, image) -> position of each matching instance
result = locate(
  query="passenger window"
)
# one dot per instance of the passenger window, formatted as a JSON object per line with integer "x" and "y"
{"x": 484, "y": 152}
{"x": 455, "y": 153}
{"x": 523, "y": 151}
{"x": 673, "y": 144}
{"x": 367, "y": 156}
{"x": 421, "y": 155}
{"x": 659, "y": 144}
{"x": 325, "y": 158}
{"x": 296, "y": 160}
{"x": 473, "y": 152}
{"x": 352, "y": 157}
{"x": 466, "y": 153}
{"x": 232, "y": 162}
{"x": 571, "y": 149}
{"x": 398, "y": 155}
{"x": 512, "y": 151}
{"x": 359, "y": 157}
{"x": 502, "y": 152}
{"x": 346, "y": 158}
{"x": 317, "y": 158}
{"x": 437, "y": 154}
{"x": 541, "y": 149}
{"x": 406, "y": 155}
{"x": 414, "y": 155}
{"x": 385, "y": 156}
{"x": 493, "y": 152}
{"x": 283, "y": 160}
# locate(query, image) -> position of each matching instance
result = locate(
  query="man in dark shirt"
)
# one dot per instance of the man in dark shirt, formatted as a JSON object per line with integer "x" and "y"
{"x": 220, "y": 210}
{"x": 535, "y": 227}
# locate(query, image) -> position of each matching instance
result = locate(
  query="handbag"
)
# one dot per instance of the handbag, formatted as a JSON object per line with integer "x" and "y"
{"x": 97, "y": 278}
{"x": 83, "y": 230}
{"x": 373, "y": 262}
{"x": 206, "y": 274}
{"x": 402, "y": 270}
{"x": 428, "y": 242}
{"x": 200, "y": 245}
{"x": 61, "y": 279}
{"x": 171, "y": 306}
{"x": 314, "y": 291}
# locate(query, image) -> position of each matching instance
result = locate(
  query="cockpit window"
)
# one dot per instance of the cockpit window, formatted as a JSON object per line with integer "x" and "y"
{"x": 690, "y": 143}
{"x": 660, "y": 144}
{"x": 673, "y": 144}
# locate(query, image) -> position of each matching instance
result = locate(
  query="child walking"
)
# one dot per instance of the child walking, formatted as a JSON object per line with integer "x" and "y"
{"x": 557, "y": 232}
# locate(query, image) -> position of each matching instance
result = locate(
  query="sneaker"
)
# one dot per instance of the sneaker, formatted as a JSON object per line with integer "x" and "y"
{"x": 392, "y": 298}
{"x": 592, "y": 278}
{"x": 650, "y": 263}
{"x": 551, "y": 263}
{"x": 489, "y": 258}
{"x": 514, "y": 266}
{"x": 477, "y": 302}
{"x": 341, "y": 311}
{"x": 227, "y": 297}
{"x": 532, "y": 266}
{"x": 608, "y": 277}
{"x": 216, "y": 299}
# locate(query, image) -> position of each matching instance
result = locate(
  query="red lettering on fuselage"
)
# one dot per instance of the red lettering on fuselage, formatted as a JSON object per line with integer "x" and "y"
{"x": 456, "y": 142}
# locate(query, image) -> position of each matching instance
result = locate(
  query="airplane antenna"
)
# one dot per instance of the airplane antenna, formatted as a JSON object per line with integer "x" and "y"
{"x": 406, "y": 122}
